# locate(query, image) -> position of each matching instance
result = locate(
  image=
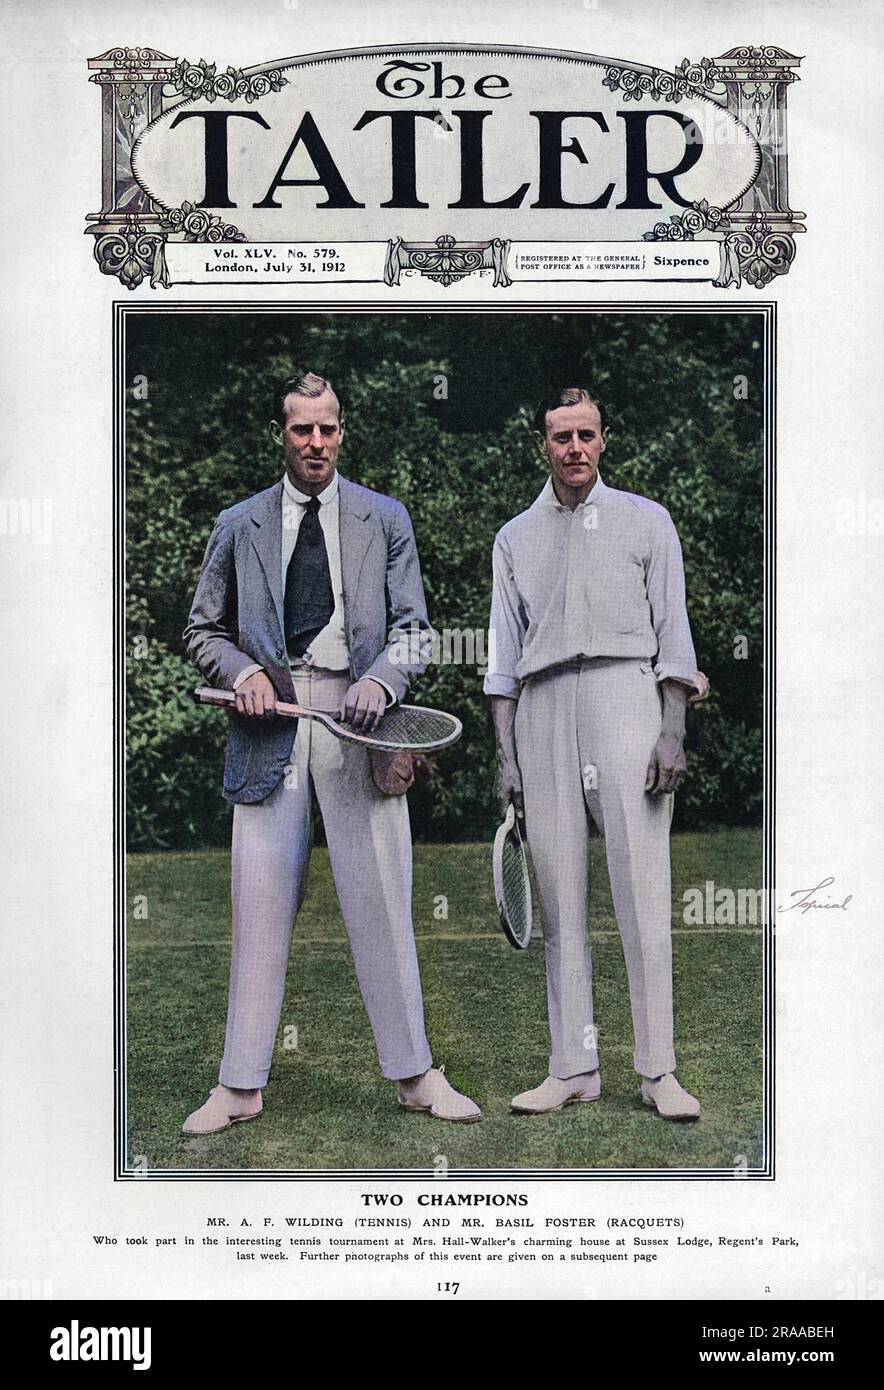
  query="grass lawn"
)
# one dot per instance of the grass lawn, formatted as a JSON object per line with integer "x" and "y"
{"x": 327, "y": 1106}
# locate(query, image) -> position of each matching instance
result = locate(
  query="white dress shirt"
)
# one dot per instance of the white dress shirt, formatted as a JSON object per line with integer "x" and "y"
{"x": 603, "y": 580}
{"x": 329, "y": 647}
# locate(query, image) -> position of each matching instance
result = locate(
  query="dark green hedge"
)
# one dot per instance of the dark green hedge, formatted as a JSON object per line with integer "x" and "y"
{"x": 682, "y": 432}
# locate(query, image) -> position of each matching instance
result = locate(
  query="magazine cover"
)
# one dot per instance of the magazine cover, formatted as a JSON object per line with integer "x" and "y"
{"x": 443, "y": 656}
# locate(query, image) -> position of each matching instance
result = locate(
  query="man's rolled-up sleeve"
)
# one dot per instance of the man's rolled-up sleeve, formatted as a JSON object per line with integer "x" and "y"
{"x": 506, "y": 630}
{"x": 676, "y": 659}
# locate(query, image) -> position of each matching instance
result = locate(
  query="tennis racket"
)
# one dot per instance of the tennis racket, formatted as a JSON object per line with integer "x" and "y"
{"x": 409, "y": 727}
{"x": 512, "y": 883}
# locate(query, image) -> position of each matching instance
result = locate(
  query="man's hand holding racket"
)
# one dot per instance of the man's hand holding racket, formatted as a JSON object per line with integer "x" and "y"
{"x": 509, "y": 860}
{"x": 509, "y": 781}
{"x": 509, "y": 778}
{"x": 412, "y": 728}
{"x": 364, "y": 705}
{"x": 256, "y": 697}
{"x": 362, "y": 708}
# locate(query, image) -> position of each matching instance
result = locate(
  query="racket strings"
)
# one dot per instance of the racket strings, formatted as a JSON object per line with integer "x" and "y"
{"x": 515, "y": 896}
{"x": 415, "y": 727}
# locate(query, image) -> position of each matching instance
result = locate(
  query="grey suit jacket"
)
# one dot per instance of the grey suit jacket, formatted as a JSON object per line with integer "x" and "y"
{"x": 237, "y": 616}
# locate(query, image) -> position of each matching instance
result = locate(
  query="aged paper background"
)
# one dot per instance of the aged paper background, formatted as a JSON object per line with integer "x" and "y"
{"x": 56, "y": 1139}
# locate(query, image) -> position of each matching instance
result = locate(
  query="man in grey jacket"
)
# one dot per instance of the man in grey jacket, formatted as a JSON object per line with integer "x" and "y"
{"x": 305, "y": 591}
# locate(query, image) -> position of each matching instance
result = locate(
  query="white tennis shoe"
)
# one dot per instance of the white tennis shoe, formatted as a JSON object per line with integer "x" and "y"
{"x": 669, "y": 1099}
{"x": 554, "y": 1094}
{"x": 223, "y": 1109}
{"x": 433, "y": 1093}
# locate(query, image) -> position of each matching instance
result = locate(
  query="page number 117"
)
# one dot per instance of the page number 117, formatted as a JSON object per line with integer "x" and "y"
{"x": 449, "y": 1287}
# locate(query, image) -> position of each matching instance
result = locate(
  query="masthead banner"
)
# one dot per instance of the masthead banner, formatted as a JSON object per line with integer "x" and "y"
{"x": 383, "y": 164}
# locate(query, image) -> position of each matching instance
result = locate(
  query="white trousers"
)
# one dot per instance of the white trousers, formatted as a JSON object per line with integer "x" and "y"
{"x": 584, "y": 736}
{"x": 369, "y": 844}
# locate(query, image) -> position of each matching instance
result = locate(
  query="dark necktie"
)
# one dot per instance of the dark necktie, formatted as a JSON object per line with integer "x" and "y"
{"x": 309, "y": 601}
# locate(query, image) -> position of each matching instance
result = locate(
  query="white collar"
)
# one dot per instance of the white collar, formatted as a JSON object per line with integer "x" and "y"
{"x": 548, "y": 497}
{"x": 294, "y": 494}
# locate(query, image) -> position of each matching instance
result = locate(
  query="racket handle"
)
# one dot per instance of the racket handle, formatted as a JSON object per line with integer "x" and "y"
{"x": 222, "y": 699}
{"x": 226, "y": 699}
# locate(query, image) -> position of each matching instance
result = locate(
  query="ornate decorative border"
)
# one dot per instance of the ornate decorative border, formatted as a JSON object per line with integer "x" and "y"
{"x": 446, "y": 260}
{"x": 199, "y": 225}
{"x": 757, "y": 253}
{"x": 132, "y": 253}
{"x": 203, "y": 80}
{"x": 684, "y": 226}
{"x": 687, "y": 80}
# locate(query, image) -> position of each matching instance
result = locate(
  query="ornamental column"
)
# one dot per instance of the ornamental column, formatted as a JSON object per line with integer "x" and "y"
{"x": 128, "y": 239}
{"x": 762, "y": 245}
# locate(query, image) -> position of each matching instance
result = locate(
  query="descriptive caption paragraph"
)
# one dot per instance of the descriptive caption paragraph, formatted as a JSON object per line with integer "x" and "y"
{"x": 431, "y": 1237}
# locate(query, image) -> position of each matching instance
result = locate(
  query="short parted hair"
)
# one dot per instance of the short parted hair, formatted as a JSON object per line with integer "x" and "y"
{"x": 303, "y": 383}
{"x": 565, "y": 395}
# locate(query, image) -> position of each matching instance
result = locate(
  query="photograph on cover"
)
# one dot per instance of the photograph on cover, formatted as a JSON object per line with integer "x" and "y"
{"x": 514, "y": 568}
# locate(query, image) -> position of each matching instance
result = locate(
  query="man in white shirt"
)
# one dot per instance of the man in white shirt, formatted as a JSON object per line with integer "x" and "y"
{"x": 305, "y": 593}
{"x": 591, "y": 672}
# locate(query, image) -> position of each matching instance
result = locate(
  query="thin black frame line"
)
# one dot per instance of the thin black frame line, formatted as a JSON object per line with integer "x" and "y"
{"x": 123, "y": 1172}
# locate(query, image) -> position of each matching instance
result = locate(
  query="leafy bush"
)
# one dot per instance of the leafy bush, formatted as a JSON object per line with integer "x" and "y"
{"x": 437, "y": 413}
